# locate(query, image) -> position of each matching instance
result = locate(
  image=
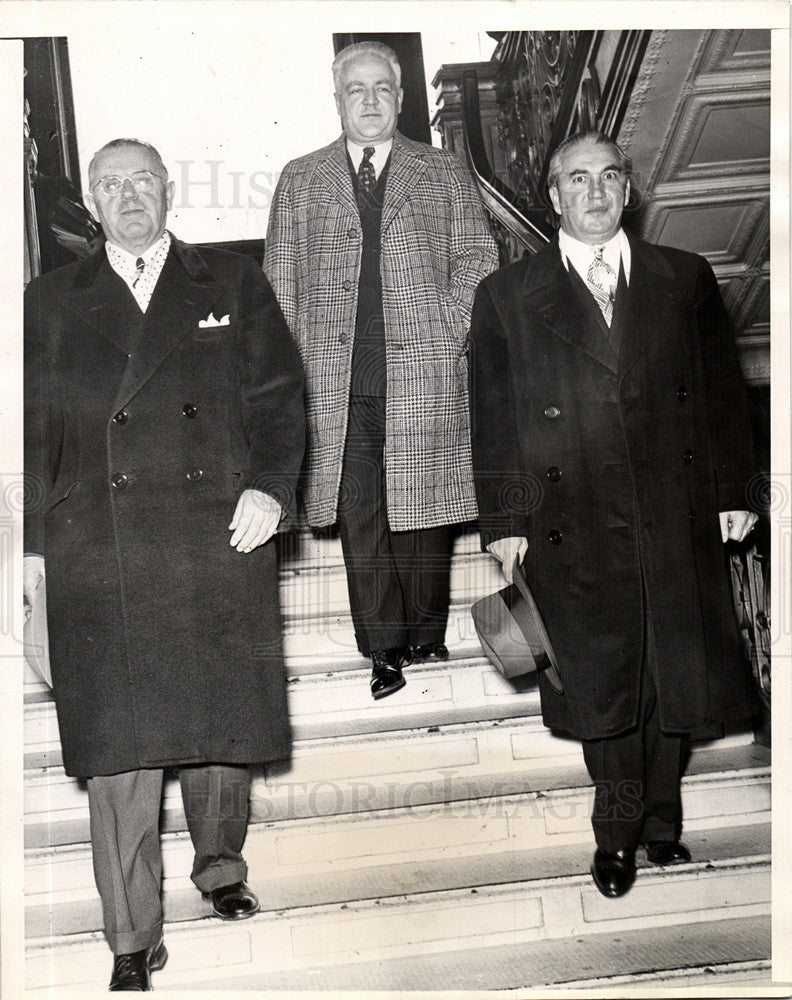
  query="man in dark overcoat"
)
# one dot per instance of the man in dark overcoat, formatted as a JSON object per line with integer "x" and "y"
{"x": 164, "y": 435}
{"x": 612, "y": 453}
{"x": 375, "y": 247}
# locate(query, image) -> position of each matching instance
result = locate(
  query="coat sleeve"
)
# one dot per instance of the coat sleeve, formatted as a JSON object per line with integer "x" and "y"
{"x": 501, "y": 484}
{"x": 474, "y": 254}
{"x": 280, "y": 250}
{"x": 271, "y": 386}
{"x": 730, "y": 429}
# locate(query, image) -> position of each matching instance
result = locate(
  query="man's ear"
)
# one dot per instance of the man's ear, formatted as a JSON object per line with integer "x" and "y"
{"x": 90, "y": 204}
{"x": 627, "y": 191}
{"x": 553, "y": 192}
{"x": 170, "y": 187}
{"x": 401, "y": 98}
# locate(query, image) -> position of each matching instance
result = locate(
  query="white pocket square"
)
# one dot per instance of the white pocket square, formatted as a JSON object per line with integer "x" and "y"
{"x": 211, "y": 321}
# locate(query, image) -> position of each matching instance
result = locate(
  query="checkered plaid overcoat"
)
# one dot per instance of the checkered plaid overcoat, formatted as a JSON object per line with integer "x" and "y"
{"x": 436, "y": 248}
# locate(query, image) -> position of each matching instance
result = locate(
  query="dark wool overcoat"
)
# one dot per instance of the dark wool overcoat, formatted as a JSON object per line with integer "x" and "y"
{"x": 614, "y": 462}
{"x": 435, "y": 248}
{"x": 141, "y": 432}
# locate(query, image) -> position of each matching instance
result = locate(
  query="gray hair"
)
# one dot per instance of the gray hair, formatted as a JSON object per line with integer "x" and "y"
{"x": 554, "y": 168}
{"x": 123, "y": 144}
{"x": 358, "y": 49}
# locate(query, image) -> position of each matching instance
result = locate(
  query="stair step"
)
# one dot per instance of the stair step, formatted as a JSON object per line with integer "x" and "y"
{"x": 339, "y": 704}
{"x": 352, "y": 775}
{"x": 369, "y": 932}
{"x": 412, "y": 848}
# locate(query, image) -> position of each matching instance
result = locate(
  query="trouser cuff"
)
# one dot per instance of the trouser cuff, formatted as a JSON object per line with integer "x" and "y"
{"x": 220, "y": 874}
{"x": 130, "y": 941}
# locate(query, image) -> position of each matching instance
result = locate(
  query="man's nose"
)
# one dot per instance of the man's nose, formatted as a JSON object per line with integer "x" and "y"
{"x": 128, "y": 189}
{"x": 371, "y": 97}
{"x": 596, "y": 188}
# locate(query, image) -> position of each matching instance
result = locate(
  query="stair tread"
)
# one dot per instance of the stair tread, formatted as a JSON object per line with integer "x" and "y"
{"x": 733, "y": 944}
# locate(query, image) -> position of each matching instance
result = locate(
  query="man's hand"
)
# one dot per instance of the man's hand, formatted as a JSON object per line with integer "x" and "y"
{"x": 735, "y": 524}
{"x": 506, "y": 550}
{"x": 255, "y": 520}
{"x": 32, "y": 577}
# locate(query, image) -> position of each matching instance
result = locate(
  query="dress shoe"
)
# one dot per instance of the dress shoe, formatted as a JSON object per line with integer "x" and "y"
{"x": 420, "y": 654}
{"x": 666, "y": 852}
{"x": 233, "y": 902}
{"x": 614, "y": 874}
{"x": 132, "y": 972}
{"x": 386, "y": 671}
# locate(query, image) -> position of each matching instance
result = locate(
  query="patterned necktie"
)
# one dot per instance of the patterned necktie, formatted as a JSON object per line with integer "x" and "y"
{"x": 367, "y": 176}
{"x": 601, "y": 280}
{"x": 140, "y": 266}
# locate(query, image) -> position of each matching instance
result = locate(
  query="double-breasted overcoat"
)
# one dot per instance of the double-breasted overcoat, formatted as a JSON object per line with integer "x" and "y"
{"x": 435, "y": 248}
{"x": 615, "y": 465}
{"x": 141, "y": 432}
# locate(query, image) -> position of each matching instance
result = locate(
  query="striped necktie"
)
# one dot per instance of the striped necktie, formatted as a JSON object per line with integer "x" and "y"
{"x": 601, "y": 280}
{"x": 140, "y": 266}
{"x": 367, "y": 176}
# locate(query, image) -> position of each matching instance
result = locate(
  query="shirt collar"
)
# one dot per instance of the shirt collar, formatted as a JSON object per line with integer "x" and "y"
{"x": 616, "y": 251}
{"x": 378, "y": 160}
{"x": 127, "y": 259}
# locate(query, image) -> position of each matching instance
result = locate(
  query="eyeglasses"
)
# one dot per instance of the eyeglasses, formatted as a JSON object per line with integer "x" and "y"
{"x": 143, "y": 181}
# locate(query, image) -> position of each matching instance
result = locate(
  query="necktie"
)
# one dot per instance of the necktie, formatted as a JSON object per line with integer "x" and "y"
{"x": 601, "y": 280}
{"x": 366, "y": 174}
{"x": 140, "y": 265}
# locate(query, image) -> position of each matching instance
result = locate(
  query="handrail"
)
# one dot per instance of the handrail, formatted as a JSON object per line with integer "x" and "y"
{"x": 582, "y": 106}
{"x": 497, "y": 196}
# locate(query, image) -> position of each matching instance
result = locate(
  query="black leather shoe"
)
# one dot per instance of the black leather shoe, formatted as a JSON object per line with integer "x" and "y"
{"x": 421, "y": 654}
{"x": 666, "y": 852}
{"x": 132, "y": 972}
{"x": 386, "y": 670}
{"x": 233, "y": 902}
{"x": 613, "y": 874}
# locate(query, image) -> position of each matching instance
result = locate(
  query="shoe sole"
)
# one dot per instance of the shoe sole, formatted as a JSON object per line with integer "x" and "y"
{"x": 236, "y": 916}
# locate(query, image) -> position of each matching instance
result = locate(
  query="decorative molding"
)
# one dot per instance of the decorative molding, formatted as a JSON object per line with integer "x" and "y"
{"x": 689, "y": 125}
{"x": 750, "y": 212}
{"x": 720, "y": 54}
{"x": 643, "y": 86}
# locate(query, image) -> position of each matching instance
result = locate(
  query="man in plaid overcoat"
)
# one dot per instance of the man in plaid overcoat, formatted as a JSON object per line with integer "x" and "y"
{"x": 375, "y": 247}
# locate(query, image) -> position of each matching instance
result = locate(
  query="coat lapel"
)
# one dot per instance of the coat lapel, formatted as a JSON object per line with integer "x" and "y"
{"x": 555, "y": 301}
{"x": 406, "y": 167}
{"x": 648, "y": 302}
{"x": 94, "y": 300}
{"x": 333, "y": 172}
{"x": 186, "y": 292}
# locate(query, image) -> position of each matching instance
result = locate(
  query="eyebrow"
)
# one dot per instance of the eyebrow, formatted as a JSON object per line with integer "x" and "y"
{"x": 586, "y": 170}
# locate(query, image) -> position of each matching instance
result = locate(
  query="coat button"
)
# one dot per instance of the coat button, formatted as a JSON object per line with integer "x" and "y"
{"x": 553, "y": 474}
{"x": 552, "y": 412}
{"x": 119, "y": 480}
{"x": 681, "y": 394}
{"x": 347, "y": 285}
{"x": 692, "y": 516}
{"x": 121, "y": 417}
{"x": 687, "y": 456}
{"x": 194, "y": 475}
{"x": 556, "y": 536}
{"x": 352, "y": 233}
{"x": 189, "y": 410}
{"x": 342, "y": 338}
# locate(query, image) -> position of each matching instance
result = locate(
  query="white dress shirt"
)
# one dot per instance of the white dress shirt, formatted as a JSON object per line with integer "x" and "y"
{"x": 616, "y": 251}
{"x": 379, "y": 158}
{"x": 124, "y": 264}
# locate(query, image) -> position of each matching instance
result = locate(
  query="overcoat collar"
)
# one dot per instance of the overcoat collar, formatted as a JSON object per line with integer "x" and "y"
{"x": 407, "y": 164}
{"x": 552, "y": 298}
{"x": 185, "y": 293}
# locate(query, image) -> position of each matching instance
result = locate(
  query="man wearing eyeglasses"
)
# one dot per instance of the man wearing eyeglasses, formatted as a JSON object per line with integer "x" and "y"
{"x": 164, "y": 435}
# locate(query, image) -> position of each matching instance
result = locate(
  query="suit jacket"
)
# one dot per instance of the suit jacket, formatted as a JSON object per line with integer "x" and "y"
{"x": 140, "y": 434}
{"x": 436, "y": 247}
{"x": 615, "y": 464}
